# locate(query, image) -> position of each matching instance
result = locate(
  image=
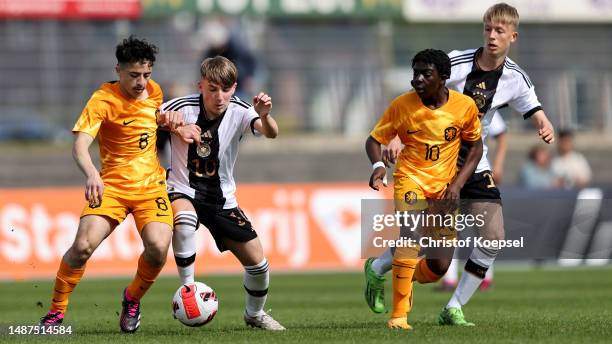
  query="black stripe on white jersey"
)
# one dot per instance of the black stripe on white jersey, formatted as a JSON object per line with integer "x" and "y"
{"x": 204, "y": 171}
{"x": 240, "y": 102}
{"x": 453, "y": 64}
{"x": 531, "y": 112}
{"x": 175, "y": 105}
{"x": 462, "y": 56}
{"x": 517, "y": 69}
{"x": 177, "y": 100}
{"x": 180, "y": 106}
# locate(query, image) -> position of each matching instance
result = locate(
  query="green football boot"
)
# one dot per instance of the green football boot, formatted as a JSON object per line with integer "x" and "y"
{"x": 453, "y": 317}
{"x": 375, "y": 288}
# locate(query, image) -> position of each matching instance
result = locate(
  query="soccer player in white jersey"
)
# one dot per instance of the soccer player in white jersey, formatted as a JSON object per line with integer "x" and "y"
{"x": 201, "y": 185}
{"x": 492, "y": 80}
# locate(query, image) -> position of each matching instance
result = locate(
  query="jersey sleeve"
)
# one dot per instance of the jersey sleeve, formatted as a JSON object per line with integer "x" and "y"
{"x": 497, "y": 125}
{"x": 526, "y": 101}
{"x": 471, "y": 125}
{"x": 385, "y": 130}
{"x": 165, "y": 105}
{"x": 91, "y": 118}
{"x": 249, "y": 116}
{"x": 458, "y": 75}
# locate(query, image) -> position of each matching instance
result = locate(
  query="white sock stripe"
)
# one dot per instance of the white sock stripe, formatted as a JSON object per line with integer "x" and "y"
{"x": 484, "y": 259}
{"x": 265, "y": 267}
{"x": 191, "y": 224}
{"x": 258, "y": 271}
{"x": 186, "y": 218}
{"x": 264, "y": 262}
{"x": 254, "y": 273}
{"x": 257, "y": 267}
{"x": 490, "y": 252}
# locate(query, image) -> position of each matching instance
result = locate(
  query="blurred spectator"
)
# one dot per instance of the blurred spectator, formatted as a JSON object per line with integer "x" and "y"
{"x": 571, "y": 166}
{"x": 227, "y": 43}
{"x": 537, "y": 172}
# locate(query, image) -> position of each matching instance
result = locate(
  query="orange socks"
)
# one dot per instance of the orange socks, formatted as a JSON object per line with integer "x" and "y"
{"x": 66, "y": 280}
{"x": 403, "y": 271}
{"x": 145, "y": 276}
{"x": 423, "y": 273}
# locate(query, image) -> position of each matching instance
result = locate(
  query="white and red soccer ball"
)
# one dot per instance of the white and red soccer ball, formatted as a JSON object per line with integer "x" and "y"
{"x": 195, "y": 304}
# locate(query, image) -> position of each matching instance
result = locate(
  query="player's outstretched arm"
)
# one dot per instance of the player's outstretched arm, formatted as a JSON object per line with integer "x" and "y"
{"x": 265, "y": 124}
{"x": 545, "y": 128}
{"x": 471, "y": 162}
{"x": 94, "y": 187}
{"x": 372, "y": 148}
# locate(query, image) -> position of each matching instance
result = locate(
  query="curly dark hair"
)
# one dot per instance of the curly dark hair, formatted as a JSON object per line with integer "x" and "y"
{"x": 135, "y": 50}
{"x": 438, "y": 58}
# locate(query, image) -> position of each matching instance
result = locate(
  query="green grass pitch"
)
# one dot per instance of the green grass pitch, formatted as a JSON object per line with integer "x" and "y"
{"x": 538, "y": 306}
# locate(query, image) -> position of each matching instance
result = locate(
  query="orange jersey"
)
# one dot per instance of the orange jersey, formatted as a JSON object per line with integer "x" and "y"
{"x": 432, "y": 138}
{"x": 127, "y": 131}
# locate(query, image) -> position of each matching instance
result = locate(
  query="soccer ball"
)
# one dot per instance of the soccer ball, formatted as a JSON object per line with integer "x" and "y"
{"x": 195, "y": 304}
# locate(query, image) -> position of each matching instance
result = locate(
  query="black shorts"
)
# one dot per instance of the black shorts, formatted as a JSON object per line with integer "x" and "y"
{"x": 481, "y": 186}
{"x": 221, "y": 223}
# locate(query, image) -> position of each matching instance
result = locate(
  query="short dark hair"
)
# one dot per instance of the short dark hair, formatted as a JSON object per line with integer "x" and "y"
{"x": 565, "y": 132}
{"x": 436, "y": 57}
{"x": 132, "y": 50}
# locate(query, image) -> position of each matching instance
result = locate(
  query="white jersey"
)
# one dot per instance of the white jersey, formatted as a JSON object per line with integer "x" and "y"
{"x": 497, "y": 125}
{"x": 508, "y": 85}
{"x": 204, "y": 172}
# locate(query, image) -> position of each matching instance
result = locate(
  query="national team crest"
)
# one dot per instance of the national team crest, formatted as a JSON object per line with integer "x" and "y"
{"x": 480, "y": 99}
{"x": 450, "y": 133}
{"x": 410, "y": 197}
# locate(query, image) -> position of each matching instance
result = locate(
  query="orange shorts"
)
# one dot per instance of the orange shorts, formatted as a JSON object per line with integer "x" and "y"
{"x": 147, "y": 208}
{"x": 409, "y": 196}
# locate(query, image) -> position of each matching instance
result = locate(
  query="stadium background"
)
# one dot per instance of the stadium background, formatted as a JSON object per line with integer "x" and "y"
{"x": 331, "y": 68}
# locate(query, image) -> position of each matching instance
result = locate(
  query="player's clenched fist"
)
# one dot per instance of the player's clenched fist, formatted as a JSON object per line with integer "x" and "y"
{"x": 94, "y": 190}
{"x": 170, "y": 119}
{"x": 189, "y": 133}
{"x": 262, "y": 104}
{"x": 378, "y": 178}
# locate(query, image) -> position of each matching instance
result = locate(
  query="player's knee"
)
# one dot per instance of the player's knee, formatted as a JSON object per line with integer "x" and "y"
{"x": 495, "y": 235}
{"x": 439, "y": 266}
{"x": 80, "y": 252}
{"x": 156, "y": 253}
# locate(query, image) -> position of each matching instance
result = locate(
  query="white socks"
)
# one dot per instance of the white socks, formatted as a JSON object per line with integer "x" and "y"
{"x": 382, "y": 264}
{"x": 475, "y": 270}
{"x": 184, "y": 244}
{"x": 450, "y": 277}
{"x": 256, "y": 281}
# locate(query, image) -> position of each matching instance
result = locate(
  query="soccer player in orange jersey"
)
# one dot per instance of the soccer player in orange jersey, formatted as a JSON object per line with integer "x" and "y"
{"x": 124, "y": 116}
{"x": 432, "y": 122}
{"x": 493, "y": 80}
